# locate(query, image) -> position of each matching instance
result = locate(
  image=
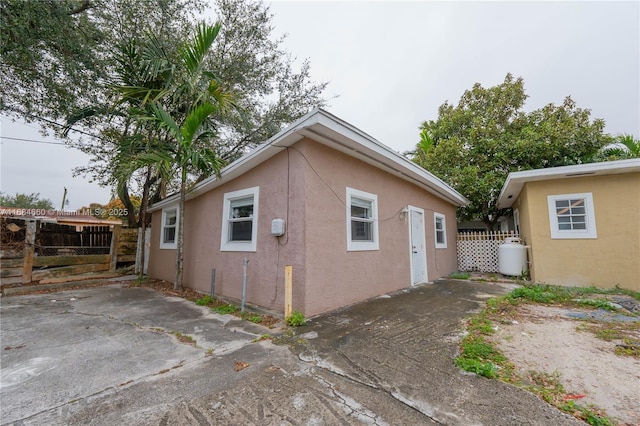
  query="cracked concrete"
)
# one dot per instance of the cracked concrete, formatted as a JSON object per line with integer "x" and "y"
{"x": 75, "y": 345}
{"x": 109, "y": 355}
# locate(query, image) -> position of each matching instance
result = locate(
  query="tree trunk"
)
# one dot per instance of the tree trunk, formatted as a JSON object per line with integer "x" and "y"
{"x": 177, "y": 285}
{"x": 123, "y": 194}
{"x": 142, "y": 223}
{"x": 488, "y": 223}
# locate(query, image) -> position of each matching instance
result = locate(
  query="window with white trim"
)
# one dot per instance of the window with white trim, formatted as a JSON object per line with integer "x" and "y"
{"x": 362, "y": 220}
{"x": 572, "y": 216}
{"x": 440, "y": 225}
{"x": 239, "y": 220}
{"x": 168, "y": 239}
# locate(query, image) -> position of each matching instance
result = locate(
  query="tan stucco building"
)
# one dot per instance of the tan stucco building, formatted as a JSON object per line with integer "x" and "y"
{"x": 581, "y": 223}
{"x": 354, "y": 219}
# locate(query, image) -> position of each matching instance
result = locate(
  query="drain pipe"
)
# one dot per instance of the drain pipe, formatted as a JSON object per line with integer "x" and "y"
{"x": 244, "y": 283}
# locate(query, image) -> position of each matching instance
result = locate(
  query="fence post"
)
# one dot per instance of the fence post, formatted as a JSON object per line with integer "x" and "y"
{"x": 115, "y": 245}
{"x": 29, "y": 249}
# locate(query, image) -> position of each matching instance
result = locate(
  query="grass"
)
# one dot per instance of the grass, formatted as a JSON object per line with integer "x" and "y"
{"x": 205, "y": 301}
{"x": 460, "y": 275}
{"x": 480, "y": 356}
{"x": 225, "y": 309}
{"x": 575, "y": 296}
{"x": 629, "y": 347}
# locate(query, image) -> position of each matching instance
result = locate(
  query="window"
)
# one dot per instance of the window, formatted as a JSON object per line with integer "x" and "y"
{"x": 239, "y": 220}
{"x": 516, "y": 220}
{"x": 168, "y": 238}
{"x": 440, "y": 230}
{"x": 362, "y": 220}
{"x": 572, "y": 216}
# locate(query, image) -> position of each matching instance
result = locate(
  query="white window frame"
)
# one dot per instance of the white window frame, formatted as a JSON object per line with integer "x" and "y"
{"x": 516, "y": 221}
{"x": 590, "y": 219}
{"x": 170, "y": 245}
{"x": 373, "y": 199}
{"x": 225, "y": 244}
{"x": 437, "y": 216}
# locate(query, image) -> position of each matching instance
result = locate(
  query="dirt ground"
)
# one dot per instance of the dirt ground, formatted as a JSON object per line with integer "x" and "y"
{"x": 545, "y": 339}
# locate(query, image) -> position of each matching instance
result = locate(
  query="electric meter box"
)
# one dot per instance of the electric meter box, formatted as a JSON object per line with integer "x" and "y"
{"x": 277, "y": 227}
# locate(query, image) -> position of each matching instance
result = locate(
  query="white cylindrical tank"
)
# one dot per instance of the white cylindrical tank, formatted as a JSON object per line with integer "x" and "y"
{"x": 512, "y": 257}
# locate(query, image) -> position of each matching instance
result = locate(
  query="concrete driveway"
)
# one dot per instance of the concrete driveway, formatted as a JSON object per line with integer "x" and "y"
{"x": 110, "y": 355}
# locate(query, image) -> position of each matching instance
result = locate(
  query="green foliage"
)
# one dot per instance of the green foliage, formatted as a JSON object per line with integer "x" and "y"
{"x": 63, "y": 59}
{"x": 25, "y": 201}
{"x": 478, "y": 356}
{"x": 624, "y": 146}
{"x": 254, "y": 318}
{"x": 598, "y": 304}
{"x": 225, "y": 309}
{"x": 296, "y": 319}
{"x": 205, "y": 301}
{"x": 58, "y": 54}
{"x": 473, "y": 146}
{"x": 540, "y": 294}
{"x": 460, "y": 275}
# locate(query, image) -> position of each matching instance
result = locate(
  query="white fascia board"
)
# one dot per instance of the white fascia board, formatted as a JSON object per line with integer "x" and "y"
{"x": 516, "y": 180}
{"x": 319, "y": 124}
{"x": 370, "y": 150}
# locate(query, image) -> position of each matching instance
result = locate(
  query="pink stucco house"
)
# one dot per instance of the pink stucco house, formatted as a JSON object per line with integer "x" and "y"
{"x": 354, "y": 219}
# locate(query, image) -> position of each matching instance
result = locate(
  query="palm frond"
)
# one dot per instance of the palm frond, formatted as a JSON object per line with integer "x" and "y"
{"x": 193, "y": 53}
{"x": 195, "y": 119}
{"x": 163, "y": 119}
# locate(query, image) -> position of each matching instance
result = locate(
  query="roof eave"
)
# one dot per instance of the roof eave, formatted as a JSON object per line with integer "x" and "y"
{"x": 319, "y": 124}
{"x": 516, "y": 180}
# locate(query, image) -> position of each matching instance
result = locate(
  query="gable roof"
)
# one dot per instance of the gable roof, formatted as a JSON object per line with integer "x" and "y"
{"x": 335, "y": 133}
{"x": 516, "y": 180}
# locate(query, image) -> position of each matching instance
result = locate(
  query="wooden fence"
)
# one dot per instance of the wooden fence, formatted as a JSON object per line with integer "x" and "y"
{"x": 478, "y": 251}
{"x": 34, "y": 251}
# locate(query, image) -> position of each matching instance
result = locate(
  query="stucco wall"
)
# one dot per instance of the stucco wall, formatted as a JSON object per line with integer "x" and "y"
{"x": 203, "y": 223}
{"x": 325, "y": 275}
{"x": 337, "y": 277}
{"x": 611, "y": 259}
{"x": 162, "y": 263}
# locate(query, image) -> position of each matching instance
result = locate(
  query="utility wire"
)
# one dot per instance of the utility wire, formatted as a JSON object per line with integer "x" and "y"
{"x": 46, "y": 120}
{"x": 34, "y": 141}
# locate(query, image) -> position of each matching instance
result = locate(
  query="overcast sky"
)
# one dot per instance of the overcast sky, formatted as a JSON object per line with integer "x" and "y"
{"x": 392, "y": 64}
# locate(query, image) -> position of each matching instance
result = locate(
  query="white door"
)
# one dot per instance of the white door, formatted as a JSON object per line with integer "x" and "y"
{"x": 418, "y": 247}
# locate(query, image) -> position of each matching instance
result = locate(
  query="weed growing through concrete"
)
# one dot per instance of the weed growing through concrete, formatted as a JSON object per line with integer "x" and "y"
{"x": 261, "y": 338}
{"x": 183, "y": 338}
{"x": 296, "y": 319}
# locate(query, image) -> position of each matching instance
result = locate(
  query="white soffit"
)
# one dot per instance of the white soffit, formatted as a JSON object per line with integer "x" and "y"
{"x": 516, "y": 180}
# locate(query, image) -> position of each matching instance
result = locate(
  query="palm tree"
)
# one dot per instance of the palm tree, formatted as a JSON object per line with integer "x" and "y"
{"x": 181, "y": 113}
{"x": 631, "y": 144}
{"x": 623, "y": 146}
{"x": 189, "y": 156}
